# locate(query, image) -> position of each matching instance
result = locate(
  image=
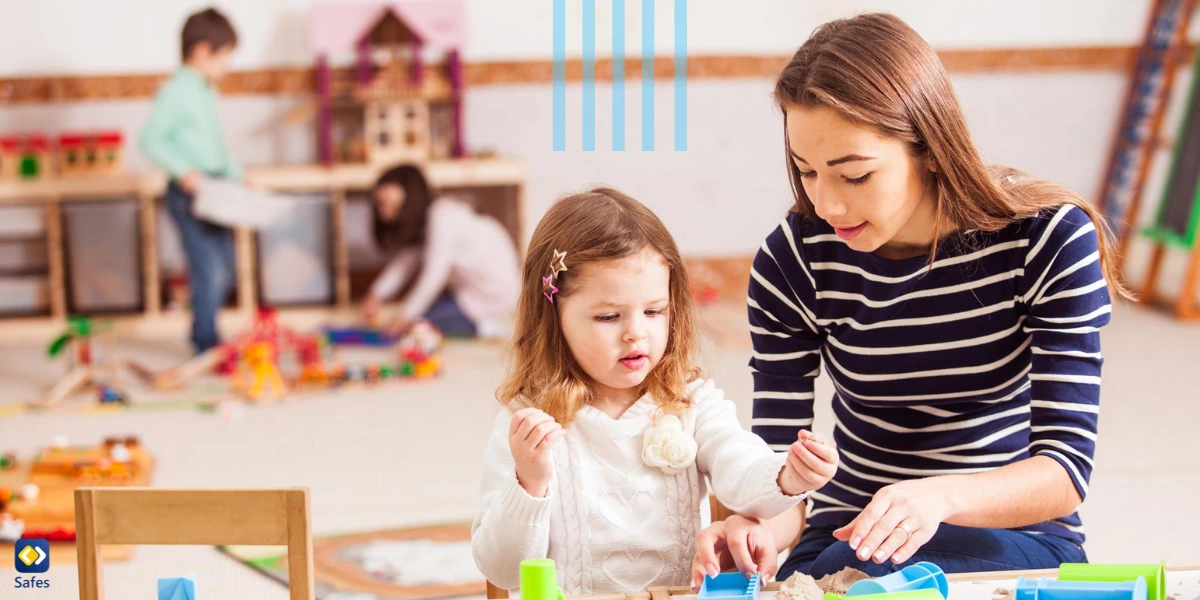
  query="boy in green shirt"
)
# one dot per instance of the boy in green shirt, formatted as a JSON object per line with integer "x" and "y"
{"x": 183, "y": 136}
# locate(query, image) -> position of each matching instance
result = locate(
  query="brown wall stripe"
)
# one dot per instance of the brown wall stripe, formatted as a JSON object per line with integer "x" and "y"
{"x": 299, "y": 80}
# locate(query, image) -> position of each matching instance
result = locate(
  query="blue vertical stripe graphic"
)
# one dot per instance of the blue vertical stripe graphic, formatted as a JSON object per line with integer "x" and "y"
{"x": 560, "y": 75}
{"x": 618, "y": 75}
{"x": 680, "y": 75}
{"x": 647, "y": 75}
{"x": 589, "y": 75}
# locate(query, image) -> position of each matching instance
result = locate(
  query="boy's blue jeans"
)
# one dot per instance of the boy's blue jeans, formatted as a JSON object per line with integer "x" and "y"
{"x": 211, "y": 266}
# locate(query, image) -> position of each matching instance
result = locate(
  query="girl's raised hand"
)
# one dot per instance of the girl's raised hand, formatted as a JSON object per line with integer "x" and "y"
{"x": 530, "y": 438}
{"x": 810, "y": 464}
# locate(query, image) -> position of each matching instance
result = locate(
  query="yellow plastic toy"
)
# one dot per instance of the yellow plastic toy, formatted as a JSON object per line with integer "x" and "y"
{"x": 259, "y": 372}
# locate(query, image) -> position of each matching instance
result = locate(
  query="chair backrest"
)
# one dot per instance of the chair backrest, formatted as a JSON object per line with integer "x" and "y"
{"x": 193, "y": 517}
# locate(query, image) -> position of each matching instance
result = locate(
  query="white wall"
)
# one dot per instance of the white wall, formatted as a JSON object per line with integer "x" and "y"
{"x": 723, "y": 194}
{"x": 133, "y": 36}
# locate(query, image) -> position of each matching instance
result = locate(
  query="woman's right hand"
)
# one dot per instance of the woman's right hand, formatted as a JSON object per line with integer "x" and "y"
{"x": 734, "y": 542}
{"x": 530, "y": 438}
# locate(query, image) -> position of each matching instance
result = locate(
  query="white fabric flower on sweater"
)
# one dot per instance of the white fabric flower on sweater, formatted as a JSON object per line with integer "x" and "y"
{"x": 665, "y": 445}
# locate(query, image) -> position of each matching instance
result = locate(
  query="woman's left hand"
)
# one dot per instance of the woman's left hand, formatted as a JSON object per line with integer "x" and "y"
{"x": 900, "y": 519}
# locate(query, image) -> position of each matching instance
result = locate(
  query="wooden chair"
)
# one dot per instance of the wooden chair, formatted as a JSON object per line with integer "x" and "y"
{"x": 194, "y": 518}
{"x": 718, "y": 511}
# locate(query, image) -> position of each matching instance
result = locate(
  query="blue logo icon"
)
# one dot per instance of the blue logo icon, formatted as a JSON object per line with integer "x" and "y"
{"x": 32, "y": 555}
{"x": 618, "y": 75}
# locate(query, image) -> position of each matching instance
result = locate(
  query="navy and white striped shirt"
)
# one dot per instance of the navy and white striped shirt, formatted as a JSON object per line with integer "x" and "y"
{"x": 987, "y": 358}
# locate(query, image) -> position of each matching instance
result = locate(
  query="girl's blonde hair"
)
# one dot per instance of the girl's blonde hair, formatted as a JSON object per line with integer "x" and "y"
{"x": 593, "y": 227}
{"x": 875, "y": 70}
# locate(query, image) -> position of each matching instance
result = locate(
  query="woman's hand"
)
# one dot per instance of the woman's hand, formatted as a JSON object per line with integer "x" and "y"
{"x": 900, "y": 519}
{"x": 734, "y": 542}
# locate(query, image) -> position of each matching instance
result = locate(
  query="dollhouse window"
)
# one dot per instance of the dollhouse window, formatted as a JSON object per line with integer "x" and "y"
{"x": 383, "y": 138}
{"x": 410, "y": 138}
{"x": 412, "y": 114}
{"x": 71, "y": 158}
{"x": 382, "y": 113}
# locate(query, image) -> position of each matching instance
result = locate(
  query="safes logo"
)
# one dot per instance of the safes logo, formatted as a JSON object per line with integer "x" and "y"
{"x": 31, "y": 555}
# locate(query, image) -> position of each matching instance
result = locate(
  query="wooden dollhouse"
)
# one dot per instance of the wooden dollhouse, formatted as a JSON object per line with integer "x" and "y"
{"x": 395, "y": 109}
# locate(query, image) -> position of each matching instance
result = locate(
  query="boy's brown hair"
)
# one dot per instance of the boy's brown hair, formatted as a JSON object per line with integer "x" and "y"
{"x": 597, "y": 226}
{"x": 207, "y": 26}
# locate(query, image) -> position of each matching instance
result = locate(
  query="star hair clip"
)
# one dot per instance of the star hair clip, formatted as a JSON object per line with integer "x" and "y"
{"x": 558, "y": 264}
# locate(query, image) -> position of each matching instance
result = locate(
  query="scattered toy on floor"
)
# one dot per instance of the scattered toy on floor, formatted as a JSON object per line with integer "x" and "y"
{"x": 11, "y": 529}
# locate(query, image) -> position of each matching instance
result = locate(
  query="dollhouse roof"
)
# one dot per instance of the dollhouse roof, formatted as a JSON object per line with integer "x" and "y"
{"x": 338, "y": 27}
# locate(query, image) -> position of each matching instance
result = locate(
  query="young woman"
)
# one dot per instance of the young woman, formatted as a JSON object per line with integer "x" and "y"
{"x": 468, "y": 273}
{"x": 956, "y": 308}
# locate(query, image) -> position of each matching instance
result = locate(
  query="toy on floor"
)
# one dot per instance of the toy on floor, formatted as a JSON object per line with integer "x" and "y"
{"x": 730, "y": 586}
{"x": 86, "y": 372}
{"x": 922, "y": 575}
{"x": 177, "y": 588}
{"x": 539, "y": 580}
{"x": 38, "y": 494}
{"x": 254, "y": 360}
{"x": 260, "y": 377}
{"x": 359, "y": 336}
{"x": 1155, "y": 575}
{"x": 11, "y": 529}
{"x": 1048, "y": 589}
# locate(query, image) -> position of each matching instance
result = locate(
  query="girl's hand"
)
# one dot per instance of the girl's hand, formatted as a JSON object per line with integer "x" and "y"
{"x": 530, "y": 438}
{"x": 900, "y": 519}
{"x": 734, "y": 542}
{"x": 810, "y": 465}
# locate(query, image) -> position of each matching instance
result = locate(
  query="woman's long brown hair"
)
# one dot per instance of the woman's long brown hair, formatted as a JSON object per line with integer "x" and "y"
{"x": 875, "y": 70}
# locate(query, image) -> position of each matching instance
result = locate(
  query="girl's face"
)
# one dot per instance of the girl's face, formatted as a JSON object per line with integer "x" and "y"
{"x": 389, "y": 199}
{"x": 615, "y": 321}
{"x": 869, "y": 188}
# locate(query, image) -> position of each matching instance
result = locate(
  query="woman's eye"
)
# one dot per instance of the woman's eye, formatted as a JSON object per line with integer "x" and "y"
{"x": 858, "y": 180}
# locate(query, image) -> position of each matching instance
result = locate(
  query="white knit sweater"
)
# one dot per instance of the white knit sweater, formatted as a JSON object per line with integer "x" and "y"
{"x": 611, "y": 523}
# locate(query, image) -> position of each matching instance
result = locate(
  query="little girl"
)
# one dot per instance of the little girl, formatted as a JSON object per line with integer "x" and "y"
{"x": 467, "y": 263}
{"x": 600, "y": 457}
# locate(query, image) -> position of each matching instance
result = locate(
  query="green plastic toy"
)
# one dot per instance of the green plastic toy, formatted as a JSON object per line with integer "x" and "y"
{"x": 539, "y": 580}
{"x": 1155, "y": 575}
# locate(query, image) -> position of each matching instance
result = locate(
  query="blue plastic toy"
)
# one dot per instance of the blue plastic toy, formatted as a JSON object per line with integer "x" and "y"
{"x": 359, "y": 336}
{"x": 922, "y": 594}
{"x": 921, "y": 576}
{"x": 177, "y": 588}
{"x": 730, "y": 586}
{"x": 1048, "y": 589}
